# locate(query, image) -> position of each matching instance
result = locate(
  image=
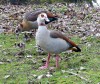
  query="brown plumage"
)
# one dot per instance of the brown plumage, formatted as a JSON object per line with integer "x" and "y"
{"x": 56, "y": 34}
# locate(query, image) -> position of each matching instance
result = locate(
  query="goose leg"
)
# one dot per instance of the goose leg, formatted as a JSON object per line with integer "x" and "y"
{"x": 57, "y": 61}
{"x": 47, "y": 63}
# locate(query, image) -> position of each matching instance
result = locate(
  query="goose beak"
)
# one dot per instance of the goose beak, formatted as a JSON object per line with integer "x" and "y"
{"x": 47, "y": 20}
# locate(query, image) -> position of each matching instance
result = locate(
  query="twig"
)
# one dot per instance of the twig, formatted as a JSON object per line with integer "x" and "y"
{"x": 81, "y": 77}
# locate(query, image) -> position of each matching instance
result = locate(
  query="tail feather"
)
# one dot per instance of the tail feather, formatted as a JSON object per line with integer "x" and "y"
{"x": 76, "y": 49}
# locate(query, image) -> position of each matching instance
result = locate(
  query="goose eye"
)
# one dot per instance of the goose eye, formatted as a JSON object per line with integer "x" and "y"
{"x": 42, "y": 16}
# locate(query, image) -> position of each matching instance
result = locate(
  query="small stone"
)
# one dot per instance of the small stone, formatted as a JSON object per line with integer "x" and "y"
{"x": 1, "y": 63}
{"x": 40, "y": 77}
{"x": 88, "y": 44}
{"x": 63, "y": 71}
{"x": 97, "y": 35}
{"x": 48, "y": 74}
{"x": 29, "y": 56}
{"x": 7, "y": 76}
{"x": 82, "y": 68}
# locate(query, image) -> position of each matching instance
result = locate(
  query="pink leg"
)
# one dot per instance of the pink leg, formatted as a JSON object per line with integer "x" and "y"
{"x": 47, "y": 63}
{"x": 57, "y": 61}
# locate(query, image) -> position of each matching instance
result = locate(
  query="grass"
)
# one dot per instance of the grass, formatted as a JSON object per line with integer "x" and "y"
{"x": 24, "y": 70}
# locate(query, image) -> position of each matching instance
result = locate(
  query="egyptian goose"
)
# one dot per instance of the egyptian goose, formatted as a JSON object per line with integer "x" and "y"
{"x": 52, "y": 41}
{"x": 29, "y": 21}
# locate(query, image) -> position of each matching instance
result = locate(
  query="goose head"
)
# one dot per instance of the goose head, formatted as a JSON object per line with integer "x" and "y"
{"x": 42, "y": 18}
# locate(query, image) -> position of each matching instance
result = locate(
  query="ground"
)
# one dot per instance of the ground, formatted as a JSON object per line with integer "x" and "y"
{"x": 23, "y": 69}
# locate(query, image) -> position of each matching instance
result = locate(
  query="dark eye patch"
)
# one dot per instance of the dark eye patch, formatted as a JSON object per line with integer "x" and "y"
{"x": 42, "y": 15}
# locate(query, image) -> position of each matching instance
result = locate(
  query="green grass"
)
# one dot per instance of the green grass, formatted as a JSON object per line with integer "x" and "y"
{"x": 24, "y": 70}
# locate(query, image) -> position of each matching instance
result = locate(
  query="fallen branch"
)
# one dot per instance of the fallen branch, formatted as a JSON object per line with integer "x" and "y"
{"x": 81, "y": 77}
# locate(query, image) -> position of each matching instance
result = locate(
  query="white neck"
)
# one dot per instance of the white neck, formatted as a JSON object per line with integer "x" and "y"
{"x": 42, "y": 29}
{"x": 42, "y": 33}
{"x": 40, "y": 23}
